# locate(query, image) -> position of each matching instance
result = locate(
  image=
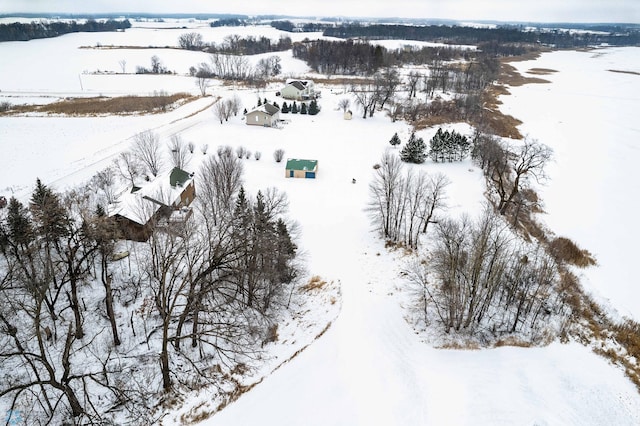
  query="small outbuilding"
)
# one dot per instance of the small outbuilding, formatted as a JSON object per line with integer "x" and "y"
{"x": 301, "y": 168}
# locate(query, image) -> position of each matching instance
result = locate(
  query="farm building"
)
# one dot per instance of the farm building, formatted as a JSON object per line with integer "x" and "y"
{"x": 301, "y": 168}
{"x": 165, "y": 200}
{"x": 266, "y": 115}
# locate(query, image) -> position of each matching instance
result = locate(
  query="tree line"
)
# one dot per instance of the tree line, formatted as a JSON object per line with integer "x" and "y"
{"x": 504, "y": 35}
{"x": 234, "y": 44}
{"x": 17, "y": 31}
{"x": 89, "y": 332}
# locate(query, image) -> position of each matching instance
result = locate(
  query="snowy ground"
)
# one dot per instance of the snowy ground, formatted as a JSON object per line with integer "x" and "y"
{"x": 369, "y": 368}
{"x": 589, "y": 116}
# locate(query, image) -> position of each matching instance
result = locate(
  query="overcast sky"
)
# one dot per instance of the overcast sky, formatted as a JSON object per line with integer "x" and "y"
{"x": 500, "y": 10}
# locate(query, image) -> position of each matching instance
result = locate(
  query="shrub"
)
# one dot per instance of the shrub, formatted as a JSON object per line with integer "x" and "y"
{"x": 257, "y": 155}
{"x": 278, "y": 155}
{"x": 566, "y": 251}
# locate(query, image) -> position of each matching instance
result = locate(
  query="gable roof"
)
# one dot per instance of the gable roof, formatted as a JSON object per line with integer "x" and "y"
{"x": 298, "y": 85}
{"x": 306, "y": 165}
{"x": 266, "y": 108}
{"x": 178, "y": 177}
{"x": 139, "y": 206}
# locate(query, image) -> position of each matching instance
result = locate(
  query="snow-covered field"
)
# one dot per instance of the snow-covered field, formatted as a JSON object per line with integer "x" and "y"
{"x": 589, "y": 115}
{"x": 369, "y": 368}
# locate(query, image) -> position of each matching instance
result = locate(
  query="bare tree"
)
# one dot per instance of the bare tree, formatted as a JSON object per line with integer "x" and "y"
{"x": 219, "y": 180}
{"x": 384, "y": 191}
{"x": 344, "y": 103}
{"x": 190, "y": 41}
{"x": 129, "y": 166}
{"x": 386, "y": 84}
{"x": 366, "y": 97}
{"x": 435, "y": 198}
{"x": 106, "y": 180}
{"x": 241, "y": 151}
{"x": 123, "y": 65}
{"x": 413, "y": 80}
{"x": 221, "y": 110}
{"x": 509, "y": 169}
{"x": 202, "y": 83}
{"x": 179, "y": 152}
{"x": 146, "y": 147}
{"x": 278, "y": 155}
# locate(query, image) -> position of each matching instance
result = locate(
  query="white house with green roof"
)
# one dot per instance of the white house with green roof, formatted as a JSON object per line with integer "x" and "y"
{"x": 296, "y": 168}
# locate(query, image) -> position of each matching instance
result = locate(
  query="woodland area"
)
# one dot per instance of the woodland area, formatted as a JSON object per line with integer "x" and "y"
{"x": 81, "y": 321}
{"x": 22, "y": 32}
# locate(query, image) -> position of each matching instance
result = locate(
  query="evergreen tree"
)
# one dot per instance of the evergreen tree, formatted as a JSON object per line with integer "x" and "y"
{"x": 395, "y": 140}
{"x": 285, "y": 108}
{"x": 275, "y": 104}
{"x": 313, "y": 108}
{"x": 259, "y": 102}
{"x": 414, "y": 151}
{"x": 245, "y": 111}
{"x": 445, "y": 146}
{"x": 303, "y": 108}
{"x": 50, "y": 216}
{"x": 19, "y": 227}
{"x": 294, "y": 108}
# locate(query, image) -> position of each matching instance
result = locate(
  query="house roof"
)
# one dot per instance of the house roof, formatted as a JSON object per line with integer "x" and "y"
{"x": 266, "y": 108}
{"x": 140, "y": 206}
{"x": 298, "y": 85}
{"x": 306, "y": 165}
{"x": 178, "y": 177}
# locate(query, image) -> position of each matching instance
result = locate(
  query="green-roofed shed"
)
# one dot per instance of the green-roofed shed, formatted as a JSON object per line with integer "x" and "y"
{"x": 301, "y": 168}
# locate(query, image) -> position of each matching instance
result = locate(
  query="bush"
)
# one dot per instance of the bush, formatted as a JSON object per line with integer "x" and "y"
{"x": 5, "y": 106}
{"x": 257, "y": 155}
{"x": 566, "y": 251}
{"x": 278, "y": 155}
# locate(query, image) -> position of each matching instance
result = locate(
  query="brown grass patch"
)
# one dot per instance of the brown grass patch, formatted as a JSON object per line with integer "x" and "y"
{"x": 469, "y": 346}
{"x": 625, "y": 72}
{"x": 541, "y": 71}
{"x": 628, "y": 335}
{"x": 565, "y": 250}
{"x": 123, "y": 105}
{"x": 513, "y": 341}
{"x": 314, "y": 283}
{"x": 510, "y": 76}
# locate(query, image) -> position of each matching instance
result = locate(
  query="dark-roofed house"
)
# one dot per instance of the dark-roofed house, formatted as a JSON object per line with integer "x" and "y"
{"x": 301, "y": 168}
{"x": 266, "y": 115}
{"x": 166, "y": 199}
{"x": 299, "y": 90}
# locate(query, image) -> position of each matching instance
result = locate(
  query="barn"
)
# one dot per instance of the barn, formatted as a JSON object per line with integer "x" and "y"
{"x": 301, "y": 168}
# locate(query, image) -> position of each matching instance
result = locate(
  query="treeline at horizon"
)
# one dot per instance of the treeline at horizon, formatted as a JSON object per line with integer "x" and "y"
{"x": 17, "y": 31}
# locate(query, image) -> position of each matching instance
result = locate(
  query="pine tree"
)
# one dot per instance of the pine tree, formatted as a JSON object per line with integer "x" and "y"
{"x": 294, "y": 108}
{"x": 49, "y": 214}
{"x": 395, "y": 140}
{"x": 275, "y": 104}
{"x": 285, "y": 108}
{"x": 313, "y": 108}
{"x": 303, "y": 108}
{"x": 259, "y": 102}
{"x": 414, "y": 151}
{"x": 19, "y": 226}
